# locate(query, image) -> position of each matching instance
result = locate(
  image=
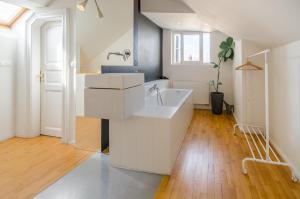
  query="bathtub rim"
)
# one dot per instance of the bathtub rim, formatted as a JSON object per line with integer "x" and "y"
{"x": 163, "y": 112}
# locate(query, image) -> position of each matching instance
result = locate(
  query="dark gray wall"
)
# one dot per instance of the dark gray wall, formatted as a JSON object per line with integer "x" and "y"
{"x": 147, "y": 48}
{"x": 147, "y": 45}
{"x": 147, "y": 57}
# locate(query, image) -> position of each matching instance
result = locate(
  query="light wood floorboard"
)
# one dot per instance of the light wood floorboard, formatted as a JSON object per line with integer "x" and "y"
{"x": 209, "y": 166}
{"x": 88, "y": 133}
{"x": 27, "y": 166}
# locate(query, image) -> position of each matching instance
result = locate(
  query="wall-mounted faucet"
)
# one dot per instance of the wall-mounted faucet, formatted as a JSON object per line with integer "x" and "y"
{"x": 126, "y": 54}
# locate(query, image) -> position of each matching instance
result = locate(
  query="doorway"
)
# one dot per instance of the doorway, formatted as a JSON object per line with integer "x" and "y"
{"x": 48, "y": 74}
{"x": 51, "y": 81}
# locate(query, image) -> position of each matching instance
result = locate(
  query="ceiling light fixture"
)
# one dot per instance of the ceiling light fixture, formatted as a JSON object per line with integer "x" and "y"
{"x": 99, "y": 13}
{"x": 81, "y": 5}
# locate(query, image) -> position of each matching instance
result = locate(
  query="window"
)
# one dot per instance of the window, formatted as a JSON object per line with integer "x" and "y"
{"x": 177, "y": 48}
{"x": 9, "y": 14}
{"x": 191, "y": 48}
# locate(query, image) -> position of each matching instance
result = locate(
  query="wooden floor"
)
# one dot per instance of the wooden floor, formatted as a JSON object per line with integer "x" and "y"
{"x": 209, "y": 166}
{"x": 27, "y": 166}
{"x": 88, "y": 134}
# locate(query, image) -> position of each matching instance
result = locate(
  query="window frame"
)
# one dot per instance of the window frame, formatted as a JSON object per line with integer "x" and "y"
{"x": 17, "y": 16}
{"x": 174, "y": 48}
{"x": 182, "y": 62}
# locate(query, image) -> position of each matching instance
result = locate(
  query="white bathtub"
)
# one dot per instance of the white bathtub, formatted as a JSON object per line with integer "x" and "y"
{"x": 151, "y": 139}
{"x": 170, "y": 97}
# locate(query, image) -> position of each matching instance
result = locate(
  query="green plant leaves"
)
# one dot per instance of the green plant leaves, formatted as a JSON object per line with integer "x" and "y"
{"x": 229, "y": 41}
{"x": 227, "y": 49}
{"x": 215, "y": 65}
{"x": 224, "y": 45}
{"x": 222, "y": 53}
{"x": 226, "y": 53}
{"x": 232, "y": 55}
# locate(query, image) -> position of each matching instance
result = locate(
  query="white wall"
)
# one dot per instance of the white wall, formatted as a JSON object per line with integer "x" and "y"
{"x": 80, "y": 85}
{"x": 19, "y": 30}
{"x": 285, "y": 101}
{"x": 238, "y": 84}
{"x": 284, "y": 88}
{"x": 22, "y": 129}
{"x": 112, "y": 33}
{"x": 7, "y": 86}
{"x": 122, "y": 43}
{"x": 248, "y": 86}
{"x": 201, "y": 73}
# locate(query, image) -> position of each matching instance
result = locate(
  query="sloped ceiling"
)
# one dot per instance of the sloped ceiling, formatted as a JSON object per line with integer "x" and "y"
{"x": 94, "y": 34}
{"x": 178, "y": 21}
{"x": 267, "y": 22}
{"x": 174, "y": 15}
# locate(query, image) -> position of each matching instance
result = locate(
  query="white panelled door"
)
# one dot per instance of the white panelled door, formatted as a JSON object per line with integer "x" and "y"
{"x": 52, "y": 85}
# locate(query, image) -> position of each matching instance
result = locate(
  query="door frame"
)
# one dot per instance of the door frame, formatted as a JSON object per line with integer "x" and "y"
{"x": 48, "y": 16}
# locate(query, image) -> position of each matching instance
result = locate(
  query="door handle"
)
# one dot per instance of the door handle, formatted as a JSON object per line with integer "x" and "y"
{"x": 41, "y": 76}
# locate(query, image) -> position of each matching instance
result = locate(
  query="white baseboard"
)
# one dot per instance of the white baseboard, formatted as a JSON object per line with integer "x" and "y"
{"x": 235, "y": 118}
{"x": 279, "y": 151}
{"x": 202, "y": 106}
{"x": 72, "y": 142}
{"x": 285, "y": 157}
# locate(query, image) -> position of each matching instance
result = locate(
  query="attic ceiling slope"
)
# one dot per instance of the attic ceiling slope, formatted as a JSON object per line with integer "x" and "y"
{"x": 166, "y": 6}
{"x": 174, "y": 15}
{"x": 269, "y": 23}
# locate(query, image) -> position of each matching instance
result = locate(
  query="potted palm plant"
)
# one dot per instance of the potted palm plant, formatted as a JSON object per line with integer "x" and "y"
{"x": 226, "y": 53}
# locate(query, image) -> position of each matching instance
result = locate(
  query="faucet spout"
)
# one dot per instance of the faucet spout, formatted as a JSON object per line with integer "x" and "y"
{"x": 153, "y": 88}
{"x": 126, "y": 54}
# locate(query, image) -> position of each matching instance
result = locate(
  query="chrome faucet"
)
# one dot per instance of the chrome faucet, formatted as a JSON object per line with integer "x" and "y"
{"x": 153, "y": 88}
{"x": 125, "y": 54}
{"x": 158, "y": 95}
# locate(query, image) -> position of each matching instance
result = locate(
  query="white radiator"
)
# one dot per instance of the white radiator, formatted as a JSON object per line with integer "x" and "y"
{"x": 201, "y": 90}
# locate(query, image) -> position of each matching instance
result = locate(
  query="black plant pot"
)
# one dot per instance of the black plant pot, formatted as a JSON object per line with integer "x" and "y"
{"x": 217, "y": 102}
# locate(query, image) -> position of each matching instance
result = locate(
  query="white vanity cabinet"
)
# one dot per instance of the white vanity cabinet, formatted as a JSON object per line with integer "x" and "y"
{"x": 113, "y": 95}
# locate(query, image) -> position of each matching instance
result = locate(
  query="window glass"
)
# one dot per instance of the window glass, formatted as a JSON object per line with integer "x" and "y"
{"x": 8, "y": 12}
{"x": 191, "y": 47}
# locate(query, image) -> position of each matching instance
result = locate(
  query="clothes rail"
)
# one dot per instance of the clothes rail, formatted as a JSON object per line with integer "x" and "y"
{"x": 257, "y": 139}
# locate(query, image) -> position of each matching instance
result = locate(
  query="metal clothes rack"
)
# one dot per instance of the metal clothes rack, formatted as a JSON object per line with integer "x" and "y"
{"x": 257, "y": 139}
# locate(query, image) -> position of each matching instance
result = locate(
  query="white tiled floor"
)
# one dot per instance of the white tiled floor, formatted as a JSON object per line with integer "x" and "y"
{"x": 96, "y": 179}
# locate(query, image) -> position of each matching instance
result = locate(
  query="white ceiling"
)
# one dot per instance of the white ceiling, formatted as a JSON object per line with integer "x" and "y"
{"x": 178, "y": 21}
{"x": 174, "y": 15}
{"x": 268, "y": 22}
